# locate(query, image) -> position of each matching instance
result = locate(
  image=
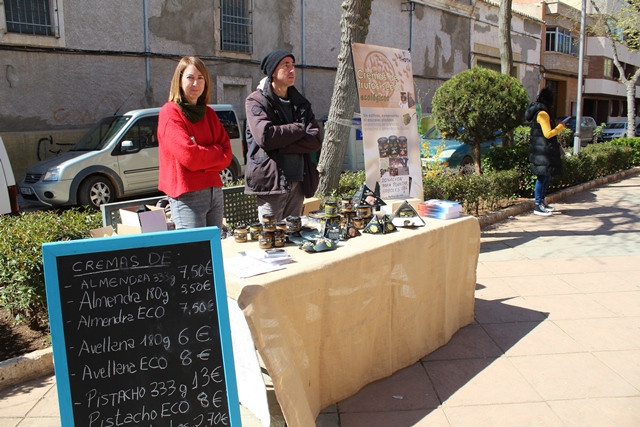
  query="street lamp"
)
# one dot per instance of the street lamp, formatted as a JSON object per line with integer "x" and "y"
{"x": 576, "y": 137}
{"x": 409, "y": 6}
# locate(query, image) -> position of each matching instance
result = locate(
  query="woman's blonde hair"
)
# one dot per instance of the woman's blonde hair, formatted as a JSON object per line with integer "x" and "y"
{"x": 175, "y": 92}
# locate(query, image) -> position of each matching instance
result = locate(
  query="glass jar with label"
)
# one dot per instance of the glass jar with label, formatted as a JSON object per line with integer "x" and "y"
{"x": 269, "y": 223}
{"x": 240, "y": 233}
{"x": 330, "y": 209}
{"x": 279, "y": 238}
{"x": 294, "y": 223}
{"x": 254, "y": 231}
{"x": 266, "y": 239}
{"x": 365, "y": 211}
{"x": 347, "y": 205}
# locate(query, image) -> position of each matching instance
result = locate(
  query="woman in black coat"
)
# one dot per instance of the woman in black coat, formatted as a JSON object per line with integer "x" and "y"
{"x": 544, "y": 149}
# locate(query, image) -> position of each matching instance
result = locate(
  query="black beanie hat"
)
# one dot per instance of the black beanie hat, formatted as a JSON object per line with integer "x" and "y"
{"x": 271, "y": 61}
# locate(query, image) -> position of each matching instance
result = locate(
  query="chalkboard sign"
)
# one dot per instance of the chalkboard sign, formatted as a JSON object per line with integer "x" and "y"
{"x": 140, "y": 330}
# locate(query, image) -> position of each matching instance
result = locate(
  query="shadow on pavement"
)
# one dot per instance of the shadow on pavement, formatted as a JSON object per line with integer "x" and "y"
{"x": 470, "y": 351}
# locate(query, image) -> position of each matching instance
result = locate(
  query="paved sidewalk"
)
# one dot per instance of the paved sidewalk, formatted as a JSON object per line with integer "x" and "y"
{"x": 555, "y": 342}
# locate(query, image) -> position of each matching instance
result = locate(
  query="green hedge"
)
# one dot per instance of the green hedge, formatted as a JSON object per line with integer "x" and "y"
{"x": 634, "y": 144}
{"x": 594, "y": 161}
{"x": 488, "y": 191}
{"x": 22, "y": 288}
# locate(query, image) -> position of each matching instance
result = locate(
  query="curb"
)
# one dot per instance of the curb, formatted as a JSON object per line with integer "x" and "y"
{"x": 494, "y": 217}
{"x": 24, "y": 368}
{"x": 40, "y": 362}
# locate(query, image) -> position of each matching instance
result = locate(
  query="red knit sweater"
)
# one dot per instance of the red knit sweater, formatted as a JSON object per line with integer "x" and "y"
{"x": 190, "y": 155}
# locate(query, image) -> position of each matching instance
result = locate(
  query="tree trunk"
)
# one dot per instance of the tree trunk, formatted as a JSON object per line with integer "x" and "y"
{"x": 354, "y": 28}
{"x": 506, "y": 52}
{"x": 631, "y": 103}
{"x": 478, "y": 159}
{"x": 504, "y": 38}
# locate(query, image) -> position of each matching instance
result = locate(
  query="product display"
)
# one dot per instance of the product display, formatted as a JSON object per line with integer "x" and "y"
{"x": 338, "y": 221}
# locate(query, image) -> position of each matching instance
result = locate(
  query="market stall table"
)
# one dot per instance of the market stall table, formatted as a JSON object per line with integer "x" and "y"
{"x": 335, "y": 321}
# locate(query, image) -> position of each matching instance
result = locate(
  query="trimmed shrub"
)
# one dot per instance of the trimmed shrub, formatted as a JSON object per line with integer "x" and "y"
{"x": 504, "y": 185}
{"x": 349, "y": 183}
{"x": 514, "y": 158}
{"x": 521, "y": 135}
{"x": 498, "y": 102}
{"x": 634, "y": 144}
{"x": 22, "y": 289}
{"x": 488, "y": 191}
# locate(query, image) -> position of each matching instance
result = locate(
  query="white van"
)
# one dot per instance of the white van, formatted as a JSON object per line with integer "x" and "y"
{"x": 115, "y": 159}
{"x": 8, "y": 188}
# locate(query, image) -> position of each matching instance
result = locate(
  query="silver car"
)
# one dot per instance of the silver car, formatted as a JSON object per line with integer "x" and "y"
{"x": 613, "y": 130}
{"x": 587, "y": 128}
{"x": 116, "y": 158}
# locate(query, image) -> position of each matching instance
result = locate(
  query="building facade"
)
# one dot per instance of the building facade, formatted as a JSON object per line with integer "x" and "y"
{"x": 67, "y": 63}
{"x": 603, "y": 96}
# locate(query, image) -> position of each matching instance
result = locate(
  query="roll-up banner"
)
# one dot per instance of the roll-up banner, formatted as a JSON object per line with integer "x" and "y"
{"x": 389, "y": 120}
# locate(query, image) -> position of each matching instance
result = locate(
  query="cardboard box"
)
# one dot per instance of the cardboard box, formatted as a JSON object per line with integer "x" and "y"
{"x": 309, "y": 205}
{"x": 142, "y": 222}
{"x": 102, "y": 232}
{"x": 393, "y": 205}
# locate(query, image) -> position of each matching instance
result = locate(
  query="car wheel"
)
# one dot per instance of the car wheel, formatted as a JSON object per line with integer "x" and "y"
{"x": 467, "y": 161}
{"x": 228, "y": 176}
{"x": 467, "y": 165}
{"x": 95, "y": 191}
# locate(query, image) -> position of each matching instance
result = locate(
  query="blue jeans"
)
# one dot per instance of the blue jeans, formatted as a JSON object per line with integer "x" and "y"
{"x": 202, "y": 208}
{"x": 540, "y": 189}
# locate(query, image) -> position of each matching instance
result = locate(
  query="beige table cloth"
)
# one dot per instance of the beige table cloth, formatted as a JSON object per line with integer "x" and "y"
{"x": 333, "y": 322}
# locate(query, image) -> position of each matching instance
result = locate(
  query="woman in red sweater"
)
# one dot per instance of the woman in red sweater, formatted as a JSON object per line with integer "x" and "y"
{"x": 193, "y": 149}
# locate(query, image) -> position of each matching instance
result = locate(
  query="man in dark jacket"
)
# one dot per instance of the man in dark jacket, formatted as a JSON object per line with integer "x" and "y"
{"x": 281, "y": 131}
{"x": 544, "y": 149}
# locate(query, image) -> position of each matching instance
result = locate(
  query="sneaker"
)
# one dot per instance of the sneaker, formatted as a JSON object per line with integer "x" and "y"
{"x": 540, "y": 210}
{"x": 547, "y": 207}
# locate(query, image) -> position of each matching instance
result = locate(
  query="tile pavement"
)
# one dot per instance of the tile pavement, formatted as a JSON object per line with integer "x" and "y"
{"x": 555, "y": 341}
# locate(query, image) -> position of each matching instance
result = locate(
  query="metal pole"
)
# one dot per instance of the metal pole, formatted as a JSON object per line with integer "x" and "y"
{"x": 409, "y": 6}
{"x": 302, "y": 47}
{"x": 411, "y": 9}
{"x": 147, "y": 65}
{"x": 576, "y": 138}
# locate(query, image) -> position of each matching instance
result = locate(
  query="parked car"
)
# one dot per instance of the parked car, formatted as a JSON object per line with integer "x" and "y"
{"x": 454, "y": 153}
{"x": 588, "y": 127}
{"x": 613, "y": 130}
{"x": 8, "y": 188}
{"x": 116, "y": 158}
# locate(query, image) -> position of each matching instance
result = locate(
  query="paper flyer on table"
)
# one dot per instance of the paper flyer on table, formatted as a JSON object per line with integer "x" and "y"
{"x": 244, "y": 266}
{"x": 254, "y": 262}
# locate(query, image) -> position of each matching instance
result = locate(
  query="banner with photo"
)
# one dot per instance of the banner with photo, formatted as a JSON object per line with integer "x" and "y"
{"x": 389, "y": 120}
